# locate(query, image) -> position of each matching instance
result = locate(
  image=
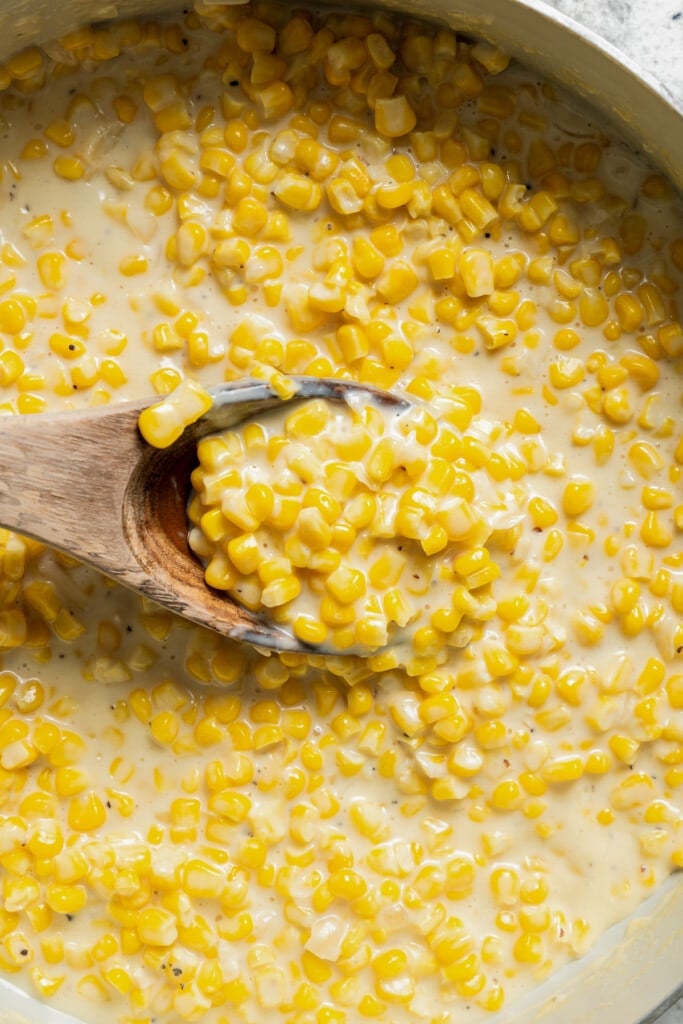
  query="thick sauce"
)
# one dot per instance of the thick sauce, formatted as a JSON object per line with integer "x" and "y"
{"x": 191, "y": 830}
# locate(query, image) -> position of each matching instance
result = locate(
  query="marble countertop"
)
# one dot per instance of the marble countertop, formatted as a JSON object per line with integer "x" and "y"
{"x": 651, "y": 33}
{"x": 648, "y": 31}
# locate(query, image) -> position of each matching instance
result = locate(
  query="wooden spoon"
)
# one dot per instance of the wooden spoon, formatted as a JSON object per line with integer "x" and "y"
{"x": 87, "y": 484}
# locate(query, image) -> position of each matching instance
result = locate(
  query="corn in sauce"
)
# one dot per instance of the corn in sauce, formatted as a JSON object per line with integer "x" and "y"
{"x": 350, "y": 526}
{"x": 190, "y": 830}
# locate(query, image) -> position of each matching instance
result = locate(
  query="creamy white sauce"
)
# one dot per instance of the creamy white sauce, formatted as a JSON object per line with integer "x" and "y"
{"x": 596, "y": 869}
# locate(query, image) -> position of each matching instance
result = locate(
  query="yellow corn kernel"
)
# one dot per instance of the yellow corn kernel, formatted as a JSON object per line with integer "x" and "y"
{"x": 52, "y": 270}
{"x": 130, "y": 266}
{"x": 125, "y": 109}
{"x": 566, "y": 372}
{"x": 66, "y": 899}
{"x": 629, "y": 312}
{"x": 670, "y": 337}
{"x": 496, "y": 333}
{"x": 86, "y": 813}
{"x": 566, "y": 339}
{"x": 156, "y": 926}
{"x": 563, "y": 769}
{"x": 617, "y": 405}
{"x": 654, "y": 532}
{"x": 477, "y": 271}
{"x": 394, "y": 116}
{"x": 61, "y": 133}
{"x": 250, "y": 217}
{"x": 275, "y": 100}
{"x": 280, "y": 591}
{"x": 651, "y": 677}
{"x": 578, "y": 496}
{"x": 298, "y": 192}
{"x": 507, "y": 795}
{"x": 309, "y": 630}
{"x": 346, "y": 584}
{"x": 645, "y": 458}
{"x": 244, "y": 553}
{"x": 598, "y": 763}
{"x": 656, "y": 498}
{"x": 443, "y": 263}
{"x": 393, "y": 196}
{"x": 69, "y": 167}
{"x": 34, "y": 149}
{"x": 641, "y": 369}
{"x": 13, "y": 317}
{"x": 624, "y": 748}
{"x": 397, "y": 282}
{"x": 368, "y": 261}
{"x": 536, "y": 211}
{"x": 542, "y": 513}
{"x": 674, "y": 691}
{"x": 163, "y": 423}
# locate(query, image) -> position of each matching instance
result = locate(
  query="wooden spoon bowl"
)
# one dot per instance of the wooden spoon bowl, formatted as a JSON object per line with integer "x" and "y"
{"x": 87, "y": 484}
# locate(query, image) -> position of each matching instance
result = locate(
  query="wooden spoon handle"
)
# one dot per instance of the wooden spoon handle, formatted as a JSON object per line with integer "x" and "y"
{"x": 60, "y": 481}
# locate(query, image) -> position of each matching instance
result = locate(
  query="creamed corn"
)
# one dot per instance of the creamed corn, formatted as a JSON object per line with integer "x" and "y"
{"x": 195, "y": 831}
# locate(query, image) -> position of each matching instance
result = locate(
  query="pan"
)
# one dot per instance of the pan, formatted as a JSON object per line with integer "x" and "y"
{"x": 636, "y": 970}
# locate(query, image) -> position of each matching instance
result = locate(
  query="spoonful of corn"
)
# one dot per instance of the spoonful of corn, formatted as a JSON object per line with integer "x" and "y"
{"x": 87, "y": 483}
{"x": 356, "y": 526}
{"x": 336, "y": 519}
